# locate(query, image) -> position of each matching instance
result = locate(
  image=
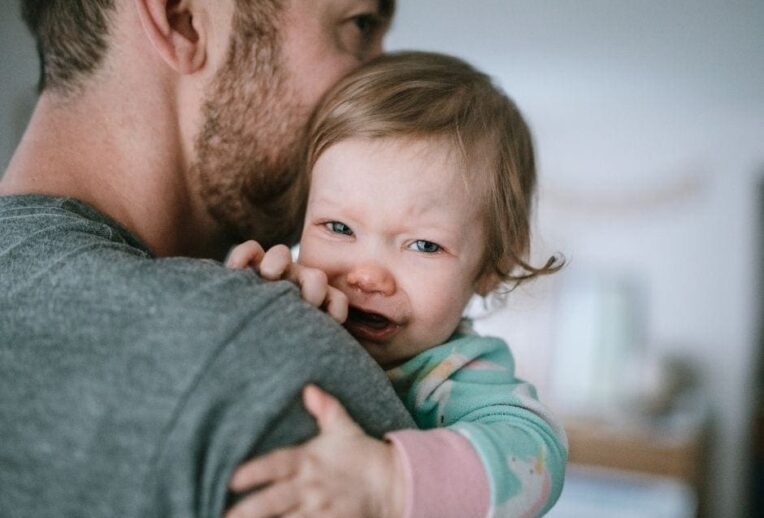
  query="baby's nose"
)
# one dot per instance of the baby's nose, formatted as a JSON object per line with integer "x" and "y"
{"x": 371, "y": 278}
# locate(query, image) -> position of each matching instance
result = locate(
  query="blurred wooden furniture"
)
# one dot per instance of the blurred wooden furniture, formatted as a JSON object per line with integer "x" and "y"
{"x": 639, "y": 449}
{"x": 600, "y": 444}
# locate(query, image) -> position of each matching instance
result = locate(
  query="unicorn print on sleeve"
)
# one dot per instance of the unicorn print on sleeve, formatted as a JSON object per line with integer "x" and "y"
{"x": 468, "y": 385}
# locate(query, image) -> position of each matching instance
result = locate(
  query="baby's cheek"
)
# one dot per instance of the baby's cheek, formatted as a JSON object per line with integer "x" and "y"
{"x": 441, "y": 315}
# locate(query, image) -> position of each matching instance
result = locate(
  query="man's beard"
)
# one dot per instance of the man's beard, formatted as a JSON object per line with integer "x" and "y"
{"x": 250, "y": 149}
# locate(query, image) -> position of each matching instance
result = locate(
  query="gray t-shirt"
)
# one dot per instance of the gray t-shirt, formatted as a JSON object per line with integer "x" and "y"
{"x": 132, "y": 386}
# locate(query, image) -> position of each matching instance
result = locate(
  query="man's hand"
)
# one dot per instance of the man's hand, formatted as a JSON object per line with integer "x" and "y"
{"x": 276, "y": 264}
{"x": 342, "y": 473}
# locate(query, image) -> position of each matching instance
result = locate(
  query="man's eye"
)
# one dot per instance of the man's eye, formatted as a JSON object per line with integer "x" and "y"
{"x": 428, "y": 247}
{"x": 361, "y": 34}
{"x": 366, "y": 24}
{"x": 339, "y": 228}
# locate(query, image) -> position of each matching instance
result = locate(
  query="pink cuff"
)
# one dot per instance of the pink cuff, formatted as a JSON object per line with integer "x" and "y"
{"x": 444, "y": 475}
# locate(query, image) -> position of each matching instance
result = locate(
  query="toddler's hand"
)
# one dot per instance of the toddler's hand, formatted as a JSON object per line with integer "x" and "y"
{"x": 342, "y": 473}
{"x": 276, "y": 264}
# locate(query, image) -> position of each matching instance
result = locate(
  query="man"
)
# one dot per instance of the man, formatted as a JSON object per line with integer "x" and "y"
{"x": 132, "y": 383}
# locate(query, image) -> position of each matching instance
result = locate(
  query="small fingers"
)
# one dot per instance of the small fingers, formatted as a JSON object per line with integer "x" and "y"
{"x": 248, "y": 254}
{"x": 336, "y": 304}
{"x": 329, "y": 413}
{"x": 276, "y": 263}
{"x": 313, "y": 284}
{"x": 272, "y": 467}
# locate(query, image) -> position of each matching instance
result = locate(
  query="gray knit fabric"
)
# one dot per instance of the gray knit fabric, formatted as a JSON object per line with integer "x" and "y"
{"x": 131, "y": 386}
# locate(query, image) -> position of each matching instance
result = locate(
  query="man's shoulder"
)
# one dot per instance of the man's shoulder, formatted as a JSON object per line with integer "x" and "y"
{"x": 63, "y": 263}
{"x": 75, "y": 283}
{"x": 119, "y": 359}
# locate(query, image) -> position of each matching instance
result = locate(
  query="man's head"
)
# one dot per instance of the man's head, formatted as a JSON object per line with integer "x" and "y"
{"x": 241, "y": 125}
{"x": 249, "y": 158}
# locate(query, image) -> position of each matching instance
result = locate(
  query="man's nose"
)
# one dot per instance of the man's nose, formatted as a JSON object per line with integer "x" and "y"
{"x": 371, "y": 277}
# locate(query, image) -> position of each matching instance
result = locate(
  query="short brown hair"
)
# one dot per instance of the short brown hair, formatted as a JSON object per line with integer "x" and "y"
{"x": 71, "y": 38}
{"x": 72, "y": 35}
{"x": 429, "y": 95}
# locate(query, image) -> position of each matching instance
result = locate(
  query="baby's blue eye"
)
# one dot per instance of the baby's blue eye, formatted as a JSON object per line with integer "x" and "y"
{"x": 428, "y": 247}
{"x": 339, "y": 228}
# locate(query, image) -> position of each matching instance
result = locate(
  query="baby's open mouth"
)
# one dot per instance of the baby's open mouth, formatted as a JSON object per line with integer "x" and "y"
{"x": 374, "y": 320}
{"x": 367, "y": 325}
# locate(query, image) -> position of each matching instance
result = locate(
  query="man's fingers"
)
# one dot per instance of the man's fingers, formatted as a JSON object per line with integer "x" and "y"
{"x": 336, "y": 304}
{"x": 246, "y": 255}
{"x": 271, "y": 502}
{"x": 329, "y": 413}
{"x": 313, "y": 284}
{"x": 276, "y": 263}
{"x": 272, "y": 467}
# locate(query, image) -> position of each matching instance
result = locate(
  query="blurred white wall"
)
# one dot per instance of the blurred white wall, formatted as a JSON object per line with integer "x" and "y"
{"x": 649, "y": 123}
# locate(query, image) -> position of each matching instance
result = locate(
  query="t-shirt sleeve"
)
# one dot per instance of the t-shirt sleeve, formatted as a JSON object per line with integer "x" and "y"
{"x": 469, "y": 386}
{"x": 247, "y": 400}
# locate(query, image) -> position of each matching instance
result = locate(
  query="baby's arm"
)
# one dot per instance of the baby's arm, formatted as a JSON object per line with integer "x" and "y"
{"x": 276, "y": 264}
{"x": 468, "y": 386}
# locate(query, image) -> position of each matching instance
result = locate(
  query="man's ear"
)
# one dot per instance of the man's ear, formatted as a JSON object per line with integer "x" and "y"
{"x": 175, "y": 32}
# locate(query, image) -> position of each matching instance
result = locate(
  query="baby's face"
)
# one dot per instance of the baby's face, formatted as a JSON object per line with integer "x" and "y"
{"x": 391, "y": 223}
